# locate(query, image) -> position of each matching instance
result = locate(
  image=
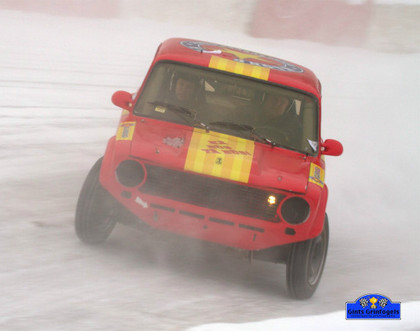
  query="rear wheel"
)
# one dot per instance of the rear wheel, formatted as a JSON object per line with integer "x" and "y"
{"x": 305, "y": 264}
{"x": 96, "y": 210}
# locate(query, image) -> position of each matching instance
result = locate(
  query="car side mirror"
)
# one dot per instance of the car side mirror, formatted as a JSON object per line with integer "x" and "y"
{"x": 331, "y": 147}
{"x": 122, "y": 99}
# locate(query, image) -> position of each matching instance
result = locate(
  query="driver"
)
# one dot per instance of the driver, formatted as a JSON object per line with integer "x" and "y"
{"x": 185, "y": 90}
{"x": 278, "y": 112}
{"x": 275, "y": 107}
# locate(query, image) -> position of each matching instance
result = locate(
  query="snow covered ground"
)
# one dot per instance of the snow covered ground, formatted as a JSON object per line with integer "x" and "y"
{"x": 57, "y": 75}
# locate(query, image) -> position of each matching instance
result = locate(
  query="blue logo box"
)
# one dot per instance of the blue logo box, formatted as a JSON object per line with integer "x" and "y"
{"x": 373, "y": 306}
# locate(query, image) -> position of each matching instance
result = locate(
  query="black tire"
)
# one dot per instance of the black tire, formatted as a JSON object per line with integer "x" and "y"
{"x": 96, "y": 210}
{"x": 305, "y": 264}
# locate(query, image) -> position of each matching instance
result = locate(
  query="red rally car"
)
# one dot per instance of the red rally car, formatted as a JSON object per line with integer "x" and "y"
{"x": 222, "y": 145}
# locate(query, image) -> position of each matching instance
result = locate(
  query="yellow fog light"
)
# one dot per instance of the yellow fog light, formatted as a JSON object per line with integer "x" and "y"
{"x": 271, "y": 199}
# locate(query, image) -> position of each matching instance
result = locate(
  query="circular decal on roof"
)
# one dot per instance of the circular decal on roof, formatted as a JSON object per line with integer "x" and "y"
{"x": 242, "y": 56}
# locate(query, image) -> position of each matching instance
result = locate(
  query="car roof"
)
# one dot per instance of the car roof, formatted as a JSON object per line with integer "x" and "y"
{"x": 239, "y": 61}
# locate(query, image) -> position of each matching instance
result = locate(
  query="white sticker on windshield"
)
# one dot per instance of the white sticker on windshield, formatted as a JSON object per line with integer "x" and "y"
{"x": 160, "y": 109}
{"x": 314, "y": 144}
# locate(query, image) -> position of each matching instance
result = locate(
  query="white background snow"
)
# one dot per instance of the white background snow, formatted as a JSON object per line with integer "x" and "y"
{"x": 57, "y": 75}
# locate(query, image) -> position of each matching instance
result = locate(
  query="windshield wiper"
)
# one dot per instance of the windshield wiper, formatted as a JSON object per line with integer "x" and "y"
{"x": 186, "y": 114}
{"x": 174, "y": 108}
{"x": 244, "y": 127}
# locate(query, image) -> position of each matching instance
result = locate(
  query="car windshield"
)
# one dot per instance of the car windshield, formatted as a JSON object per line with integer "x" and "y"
{"x": 231, "y": 104}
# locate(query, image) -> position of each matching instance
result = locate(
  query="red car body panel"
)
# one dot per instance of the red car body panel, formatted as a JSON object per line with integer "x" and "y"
{"x": 169, "y": 154}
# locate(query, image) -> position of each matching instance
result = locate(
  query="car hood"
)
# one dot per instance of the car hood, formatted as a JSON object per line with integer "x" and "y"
{"x": 219, "y": 155}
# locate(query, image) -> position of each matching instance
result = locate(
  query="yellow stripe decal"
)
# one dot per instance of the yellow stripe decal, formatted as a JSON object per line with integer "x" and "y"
{"x": 316, "y": 175}
{"x": 220, "y": 155}
{"x": 239, "y": 68}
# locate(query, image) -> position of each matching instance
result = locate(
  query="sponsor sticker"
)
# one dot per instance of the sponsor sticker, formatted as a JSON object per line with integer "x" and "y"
{"x": 316, "y": 175}
{"x": 220, "y": 155}
{"x": 126, "y": 131}
{"x": 373, "y": 306}
{"x": 248, "y": 58}
{"x": 176, "y": 142}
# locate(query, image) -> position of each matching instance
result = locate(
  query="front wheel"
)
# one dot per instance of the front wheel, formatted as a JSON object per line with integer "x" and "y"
{"x": 96, "y": 209}
{"x": 305, "y": 264}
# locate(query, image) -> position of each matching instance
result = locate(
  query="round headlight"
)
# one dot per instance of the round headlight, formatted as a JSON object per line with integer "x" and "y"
{"x": 295, "y": 210}
{"x": 130, "y": 173}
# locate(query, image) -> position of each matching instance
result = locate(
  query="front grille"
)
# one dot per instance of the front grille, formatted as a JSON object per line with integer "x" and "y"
{"x": 210, "y": 192}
